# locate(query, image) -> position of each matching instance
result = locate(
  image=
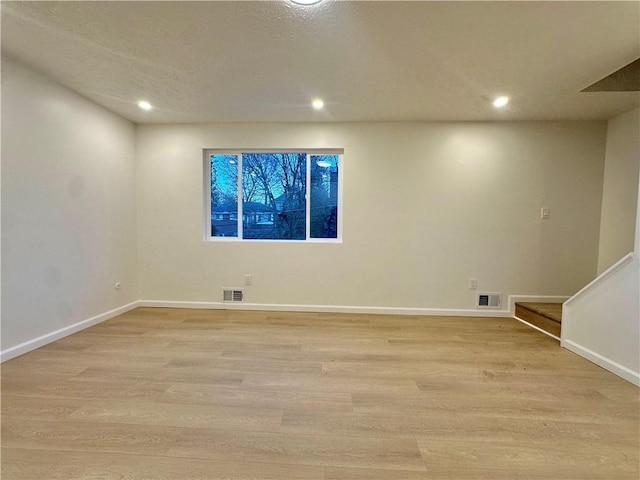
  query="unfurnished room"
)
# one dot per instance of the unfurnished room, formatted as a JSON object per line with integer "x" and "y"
{"x": 320, "y": 240}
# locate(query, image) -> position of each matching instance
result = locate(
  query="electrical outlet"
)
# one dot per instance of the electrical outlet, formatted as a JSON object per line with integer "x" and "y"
{"x": 248, "y": 279}
{"x": 473, "y": 284}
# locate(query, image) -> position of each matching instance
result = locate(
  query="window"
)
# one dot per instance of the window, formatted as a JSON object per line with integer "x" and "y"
{"x": 273, "y": 195}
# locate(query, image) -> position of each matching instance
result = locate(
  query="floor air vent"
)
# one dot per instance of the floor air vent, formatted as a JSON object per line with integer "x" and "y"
{"x": 489, "y": 300}
{"x": 232, "y": 295}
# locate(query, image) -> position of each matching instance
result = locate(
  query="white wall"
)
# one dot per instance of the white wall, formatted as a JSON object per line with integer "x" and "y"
{"x": 620, "y": 191}
{"x": 426, "y": 206}
{"x": 68, "y": 207}
{"x": 602, "y": 322}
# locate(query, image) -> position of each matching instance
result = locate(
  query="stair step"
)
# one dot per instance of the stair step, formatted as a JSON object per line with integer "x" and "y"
{"x": 547, "y": 316}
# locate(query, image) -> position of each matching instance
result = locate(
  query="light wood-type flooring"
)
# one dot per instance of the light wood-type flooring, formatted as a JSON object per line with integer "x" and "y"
{"x": 547, "y": 316}
{"x": 177, "y": 394}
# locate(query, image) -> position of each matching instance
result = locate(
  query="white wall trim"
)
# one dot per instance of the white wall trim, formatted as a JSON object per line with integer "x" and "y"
{"x": 604, "y": 362}
{"x": 534, "y": 299}
{"x": 42, "y": 340}
{"x": 619, "y": 265}
{"x": 537, "y": 328}
{"x": 326, "y": 308}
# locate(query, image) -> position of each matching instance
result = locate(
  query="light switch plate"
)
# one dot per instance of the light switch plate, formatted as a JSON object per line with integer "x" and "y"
{"x": 545, "y": 213}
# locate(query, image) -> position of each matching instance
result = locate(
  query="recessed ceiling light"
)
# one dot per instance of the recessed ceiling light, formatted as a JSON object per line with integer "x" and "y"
{"x": 501, "y": 102}
{"x": 305, "y": 2}
{"x": 317, "y": 104}
{"x": 144, "y": 105}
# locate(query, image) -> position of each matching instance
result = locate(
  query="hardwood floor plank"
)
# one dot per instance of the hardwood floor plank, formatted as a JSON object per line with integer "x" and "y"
{"x": 495, "y": 460}
{"x": 179, "y": 415}
{"x": 346, "y": 473}
{"x": 455, "y": 425}
{"x": 368, "y": 452}
{"x": 190, "y": 332}
{"x": 72, "y": 363}
{"x": 97, "y": 343}
{"x": 25, "y": 363}
{"x": 20, "y": 464}
{"x": 38, "y": 408}
{"x": 87, "y": 436}
{"x": 198, "y": 394}
{"x": 245, "y": 365}
{"x": 394, "y": 369}
{"x": 61, "y": 387}
{"x": 488, "y": 403}
{"x": 488, "y": 382}
{"x": 92, "y": 466}
{"x": 325, "y": 383}
{"x": 161, "y": 374}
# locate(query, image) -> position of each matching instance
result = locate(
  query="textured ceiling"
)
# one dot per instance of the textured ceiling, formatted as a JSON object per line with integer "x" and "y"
{"x": 264, "y": 61}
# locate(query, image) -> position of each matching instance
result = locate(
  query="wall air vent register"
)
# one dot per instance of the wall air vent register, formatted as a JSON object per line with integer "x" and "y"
{"x": 232, "y": 295}
{"x": 489, "y": 300}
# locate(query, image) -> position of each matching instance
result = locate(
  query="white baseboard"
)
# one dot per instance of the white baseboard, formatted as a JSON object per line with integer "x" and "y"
{"x": 326, "y": 308}
{"x": 604, "y": 362}
{"x": 534, "y": 299}
{"x": 42, "y": 340}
